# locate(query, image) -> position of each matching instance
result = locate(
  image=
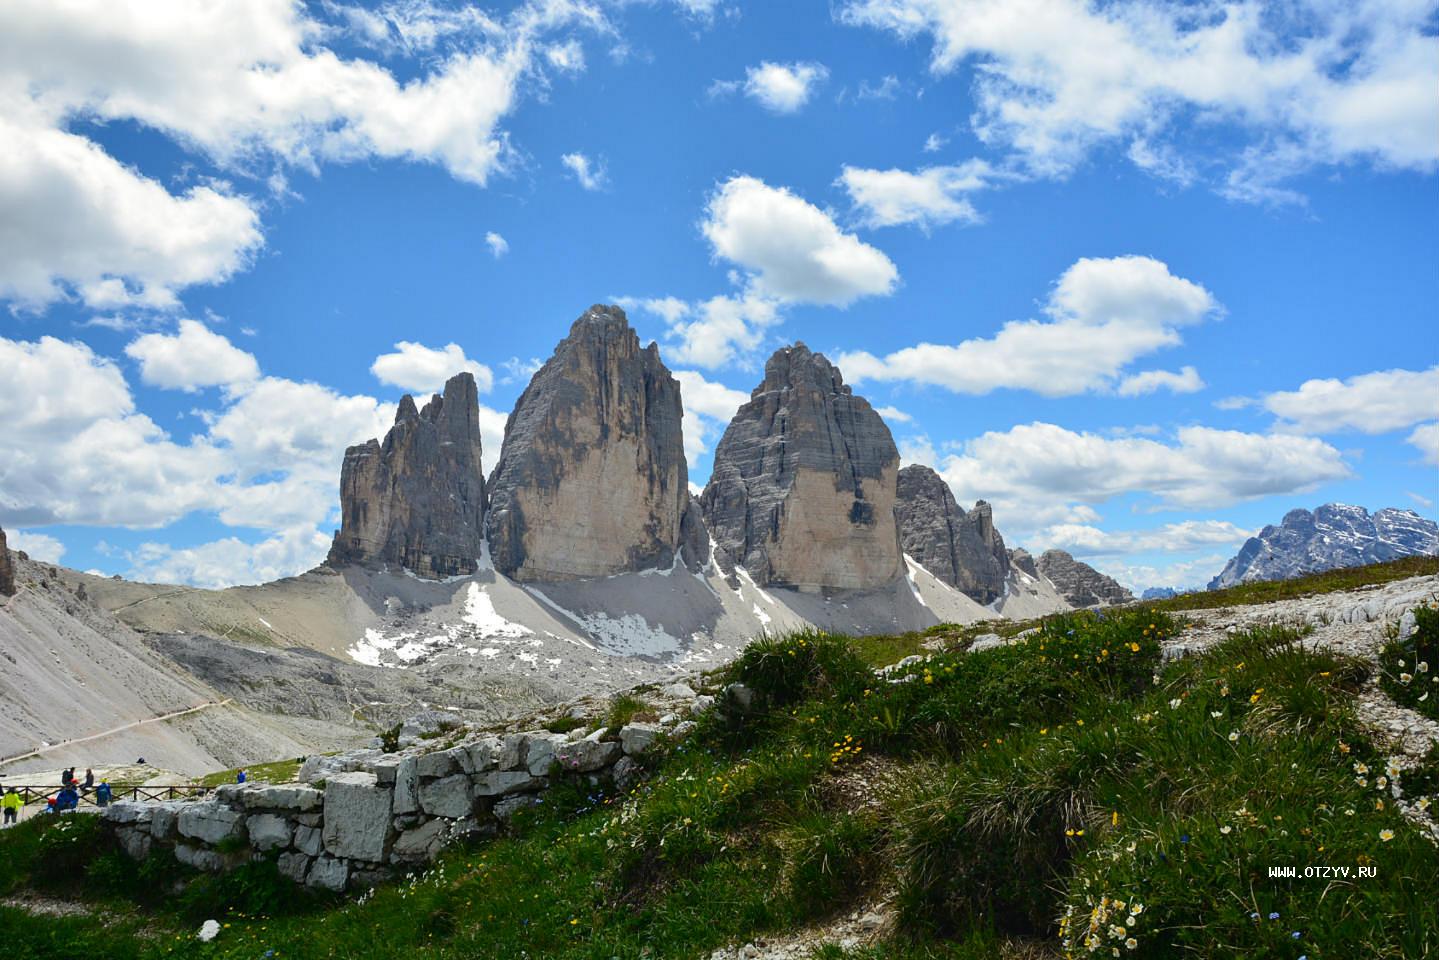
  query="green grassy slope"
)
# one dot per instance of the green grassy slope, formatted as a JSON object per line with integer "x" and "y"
{"x": 1015, "y": 802}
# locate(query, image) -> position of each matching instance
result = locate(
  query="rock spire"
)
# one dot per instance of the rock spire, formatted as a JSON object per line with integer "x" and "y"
{"x": 1079, "y": 583}
{"x": 962, "y": 549}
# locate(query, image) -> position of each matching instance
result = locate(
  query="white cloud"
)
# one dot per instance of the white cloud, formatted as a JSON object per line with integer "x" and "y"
{"x": 929, "y": 197}
{"x": 934, "y": 143}
{"x": 1084, "y": 540}
{"x": 783, "y": 87}
{"x": 230, "y": 561}
{"x": 1369, "y": 403}
{"x": 498, "y": 245}
{"x": 886, "y": 89}
{"x": 709, "y": 407}
{"x": 893, "y": 413}
{"x": 492, "y": 434}
{"x": 1419, "y": 498}
{"x": 587, "y": 173}
{"x": 792, "y": 249}
{"x": 79, "y": 223}
{"x": 1041, "y": 474}
{"x": 1103, "y": 315}
{"x": 1294, "y": 85}
{"x": 918, "y": 449}
{"x": 567, "y": 57}
{"x": 1426, "y": 439}
{"x": 191, "y": 358}
{"x": 1189, "y": 574}
{"x": 419, "y": 369}
{"x": 714, "y": 332}
{"x": 1187, "y": 380}
{"x": 250, "y": 85}
{"x": 38, "y": 546}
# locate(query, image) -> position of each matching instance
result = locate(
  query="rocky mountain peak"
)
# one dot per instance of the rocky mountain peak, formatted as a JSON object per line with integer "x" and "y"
{"x": 7, "y": 569}
{"x": 804, "y": 483}
{"x": 1020, "y": 559}
{"x": 963, "y": 550}
{"x": 417, "y": 500}
{"x": 1334, "y": 535}
{"x": 1079, "y": 583}
{"x": 592, "y": 480}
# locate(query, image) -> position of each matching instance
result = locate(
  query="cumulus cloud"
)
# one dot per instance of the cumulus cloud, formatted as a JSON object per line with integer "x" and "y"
{"x": 1103, "y": 315}
{"x": 792, "y": 250}
{"x": 587, "y": 173}
{"x": 1368, "y": 403}
{"x": 1084, "y": 540}
{"x": 249, "y": 85}
{"x": 784, "y": 87}
{"x": 715, "y": 332}
{"x": 498, "y": 245}
{"x": 419, "y": 369}
{"x": 1187, "y": 380}
{"x": 1426, "y": 439}
{"x": 230, "y": 561}
{"x": 1191, "y": 574}
{"x": 709, "y": 407}
{"x": 191, "y": 358}
{"x": 38, "y": 546}
{"x": 894, "y": 414}
{"x": 1041, "y": 474}
{"x": 1294, "y": 86}
{"x": 929, "y": 197}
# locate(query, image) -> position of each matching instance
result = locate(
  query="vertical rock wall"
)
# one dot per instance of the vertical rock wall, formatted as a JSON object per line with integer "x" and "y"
{"x": 803, "y": 489}
{"x": 592, "y": 480}
{"x": 962, "y": 549}
{"x": 7, "y": 570}
{"x": 418, "y": 499}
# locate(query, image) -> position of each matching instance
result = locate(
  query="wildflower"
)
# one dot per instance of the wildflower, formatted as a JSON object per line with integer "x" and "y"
{"x": 1131, "y": 944}
{"x": 1343, "y": 747}
{"x": 1225, "y": 829}
{"x": 1216, "y": 714}
{"x": 1136, "y": 908}
{"x": 1361, "y": 768}
{"x": 1349, "y": 812}
{"x": 1386, "y": 835}
{"x": 1174, "y": 704}
{"x": 1274, "y": 916}
{"x": 1114, "y": 819}
{"x": 1422, "y": 803}
{"x": 1233, "y": 735}
{"x": 1405, "y": 677}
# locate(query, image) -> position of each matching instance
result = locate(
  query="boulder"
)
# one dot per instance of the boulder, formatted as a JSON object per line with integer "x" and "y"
{"x": 293, "y": 866}
{"x": 308, "y": 840}
{"x": 328, "y": 873}
{"x": 134, "y": 841}
{"x": 432, "y": 765}
{"x": 508, "y": 807}
{"x": 1079, "y": 583}
{"x": 627, "y": 772}
{"x": 450, "y": 797}
{"x": 407, "y": 786}
{"x": 418, "y": 500}
{"x": 419, "y": 844}
{"x": 268, "y": 831}
{"x": 587, "y": 756}
{"x": 265, "y": 797}
{"x": 540, "y": 752}
{"x": 636, "y": 738}
{"x": 210, "y": 821}
{"x": 592, "y": 479}
{"x": 485, "y": 754}
{"x": 963, "y": 550}
{"x": 357, "y": 817}
{"x": 498, "y": 783}
{"x": 165, "y": 819}
{"x": 804, "y": 483}
{"x": 199, "y": 858}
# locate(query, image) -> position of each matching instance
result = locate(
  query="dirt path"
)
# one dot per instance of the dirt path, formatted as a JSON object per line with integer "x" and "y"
{"x": 114, "y": 730}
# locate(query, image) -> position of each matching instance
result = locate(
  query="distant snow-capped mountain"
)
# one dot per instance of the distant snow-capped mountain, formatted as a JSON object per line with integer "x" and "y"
{"x": 1333, "y": 536}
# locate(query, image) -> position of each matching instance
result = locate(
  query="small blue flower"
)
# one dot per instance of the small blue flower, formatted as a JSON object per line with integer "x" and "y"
{"x": 1274, "y": 916}
{"x": 1254, "y": 916}
{"x": 1295, "y": 934}
{"x": 1184, "y": 838}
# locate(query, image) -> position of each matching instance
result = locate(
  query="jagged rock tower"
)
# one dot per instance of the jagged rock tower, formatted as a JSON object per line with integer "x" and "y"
{"x": 418, "y": 499}
{"x": 962, "y": 549}
{"x": 592, "y": 480}
{"x": 7, "y": 572}
{"x": 1079, "y": 583}
{"x": 803, "y": 489}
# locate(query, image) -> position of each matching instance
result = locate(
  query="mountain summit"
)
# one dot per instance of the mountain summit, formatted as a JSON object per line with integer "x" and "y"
{"x": 1335, "y": 535}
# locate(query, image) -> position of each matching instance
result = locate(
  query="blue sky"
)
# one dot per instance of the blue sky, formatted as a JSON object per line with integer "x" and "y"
{"x": 1145, "y": 276}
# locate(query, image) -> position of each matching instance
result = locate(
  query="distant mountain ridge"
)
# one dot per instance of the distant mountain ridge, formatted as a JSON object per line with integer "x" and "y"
{"x": 1334, "y": 535}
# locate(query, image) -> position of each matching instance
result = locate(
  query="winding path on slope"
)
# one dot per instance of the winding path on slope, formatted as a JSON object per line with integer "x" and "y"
{"x": 114, "y": 730}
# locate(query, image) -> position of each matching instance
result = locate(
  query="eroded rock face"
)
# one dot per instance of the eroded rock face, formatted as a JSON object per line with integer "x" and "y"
{"x": 1020, "y": 559}
{"x": 962, "y": 549}
{"x": 592, "y": 479}
{"x": 804, "y": 483}
{"x": 1335, "y": 535}
{"x": 418, "y": 499}
{"x": 1079, "y": 583}
{"x": 7, "y": 570}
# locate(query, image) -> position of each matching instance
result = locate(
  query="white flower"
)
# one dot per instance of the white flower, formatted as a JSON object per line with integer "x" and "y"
{"x": 1225, "y": 830}
{"x": 1132, "y": 943}
{"x": 1233, "y": 735}
{"x": 209, "y": 930}
{"x": 1405, "y": 677}
{"x": 1422, "y": 666}
{"x": 1174, "y": 704}
{"x": 1216, "y": 714}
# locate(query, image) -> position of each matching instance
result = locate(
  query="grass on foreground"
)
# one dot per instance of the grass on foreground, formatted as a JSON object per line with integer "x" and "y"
{"x": 1409, "y": 668}
{"x": 1055, "y": 797}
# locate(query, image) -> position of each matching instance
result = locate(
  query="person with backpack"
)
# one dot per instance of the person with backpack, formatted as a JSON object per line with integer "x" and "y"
{"x": 11, "y": 804}
{"x": 67, "y": 799}
{"x": 103, "y": 793}
{"x": 241, "y": 776}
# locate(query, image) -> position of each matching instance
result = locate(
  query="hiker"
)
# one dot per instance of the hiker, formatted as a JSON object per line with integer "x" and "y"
{"x": 11, "y": 804}
{"x": 89, "y": 780}
{"x": 67, "y": 799}
{"x": 240, "y": 777}
{"x": 103, "y": 793}
{"x": 67, "y": 776}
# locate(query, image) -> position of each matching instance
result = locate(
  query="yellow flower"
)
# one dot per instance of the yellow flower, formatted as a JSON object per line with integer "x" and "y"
{"x": 1386, "y": 835}
{"x": 1114, "y": 819}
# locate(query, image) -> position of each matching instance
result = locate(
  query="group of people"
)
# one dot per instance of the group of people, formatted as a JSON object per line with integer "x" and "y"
{"x": 72, "y": 790}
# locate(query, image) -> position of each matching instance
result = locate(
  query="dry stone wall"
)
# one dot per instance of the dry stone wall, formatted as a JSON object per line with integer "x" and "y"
{"x": 358, "y": 817}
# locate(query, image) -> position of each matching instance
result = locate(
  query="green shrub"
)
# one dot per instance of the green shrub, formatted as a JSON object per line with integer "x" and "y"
{"x": 564, "y": 724}
{"x": 1409, "y": 668}
{"x": 784, "y": 670}
{"x": 626, "y": 709}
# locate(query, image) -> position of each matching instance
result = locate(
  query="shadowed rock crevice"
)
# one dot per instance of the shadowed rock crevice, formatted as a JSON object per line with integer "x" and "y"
{"x": 803, "y": 489}
{"x": 592, "y": 480}
{"x": 418, "y": 499}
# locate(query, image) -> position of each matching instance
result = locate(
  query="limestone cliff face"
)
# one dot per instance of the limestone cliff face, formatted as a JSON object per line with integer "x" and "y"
{"x": 962, "y": 549}
{"x": 1079, "y": 583}
{"x": 418, "y": 499}
{"x": 1021, "y": 559}
{"x": 804, "y": 483}
{"x": 7, "y": 570}
{"x": 592, "y": 480}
